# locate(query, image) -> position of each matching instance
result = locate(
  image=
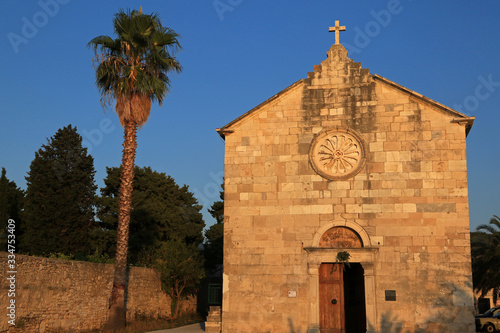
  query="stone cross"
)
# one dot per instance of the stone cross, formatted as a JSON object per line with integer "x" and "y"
{"x": 337, "y": 30}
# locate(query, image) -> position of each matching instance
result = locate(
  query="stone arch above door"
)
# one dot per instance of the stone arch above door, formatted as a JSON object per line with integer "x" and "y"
{"x": 340, "y": 237}
{"x": 351, "y": 231}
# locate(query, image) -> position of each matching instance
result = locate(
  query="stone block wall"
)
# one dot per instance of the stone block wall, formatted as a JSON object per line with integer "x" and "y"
{"x": 53, "y": 294}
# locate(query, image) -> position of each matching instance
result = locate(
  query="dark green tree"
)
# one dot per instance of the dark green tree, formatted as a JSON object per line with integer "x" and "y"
{"x": 11, "y": 201}
{"x": 102, "y": 241}
{"x": 162, "y": 210}
{"x": 217, "y": 208}
{"x": 60, "y": 196}
{"x": 485, "y": 250}
{"x": 181, "y": 269}
{"x": 214, "y": 236}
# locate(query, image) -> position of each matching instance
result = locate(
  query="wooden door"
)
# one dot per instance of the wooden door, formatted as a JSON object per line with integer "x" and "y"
{"x": 331, "y": 298}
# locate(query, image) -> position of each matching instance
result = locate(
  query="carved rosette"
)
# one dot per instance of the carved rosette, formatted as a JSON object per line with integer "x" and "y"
{"x": 337, "y": 154}
{"x": 340, "y": 237}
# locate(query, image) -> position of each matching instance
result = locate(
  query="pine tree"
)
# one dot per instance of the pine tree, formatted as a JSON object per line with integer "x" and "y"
{"x": 60, "y": 197}
{"x": 11, "y": 201}
{"x": 217, "y": 208}
{"x": 162, "y": 210}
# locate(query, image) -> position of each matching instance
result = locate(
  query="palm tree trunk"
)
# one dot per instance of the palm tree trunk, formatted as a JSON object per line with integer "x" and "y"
{"x": 117, "y": 314}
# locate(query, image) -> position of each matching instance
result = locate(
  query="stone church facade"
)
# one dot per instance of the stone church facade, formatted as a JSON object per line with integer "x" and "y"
{"x": 347, "y": 165}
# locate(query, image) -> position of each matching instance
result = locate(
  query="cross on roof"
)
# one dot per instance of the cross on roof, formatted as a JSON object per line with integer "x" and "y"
{"x": 337, "y": 30}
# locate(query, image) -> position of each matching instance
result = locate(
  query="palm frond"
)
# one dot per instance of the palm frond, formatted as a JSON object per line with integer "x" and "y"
{"x": 495, "y": 220}
{"x": 135, "y": 66}
{"x": 485, "y": 251}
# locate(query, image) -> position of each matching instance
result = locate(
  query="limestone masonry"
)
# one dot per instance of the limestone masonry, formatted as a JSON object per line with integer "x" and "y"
{"x": 347, "y": 161}
{"x": 62, "y": 295}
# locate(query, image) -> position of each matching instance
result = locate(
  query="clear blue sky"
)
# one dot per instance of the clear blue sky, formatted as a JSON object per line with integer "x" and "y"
{"x": 236, "y": 54}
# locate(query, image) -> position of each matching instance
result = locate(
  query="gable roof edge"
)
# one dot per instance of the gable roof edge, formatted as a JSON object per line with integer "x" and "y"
{"x": 463, "y": 119}
{"x": 420, "y": 96}
{"x": 225, "y": 129}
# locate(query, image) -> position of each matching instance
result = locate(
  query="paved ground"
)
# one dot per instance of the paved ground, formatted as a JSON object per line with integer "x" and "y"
{"x": 195, "y": 328}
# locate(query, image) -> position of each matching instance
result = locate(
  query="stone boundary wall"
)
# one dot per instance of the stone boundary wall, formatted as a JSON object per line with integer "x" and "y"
{"x": 54, "y": 294}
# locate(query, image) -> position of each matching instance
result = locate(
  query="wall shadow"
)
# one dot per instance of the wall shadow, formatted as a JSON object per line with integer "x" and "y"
{"x": 292, "y": 329}
{"x": 443, "y": 318}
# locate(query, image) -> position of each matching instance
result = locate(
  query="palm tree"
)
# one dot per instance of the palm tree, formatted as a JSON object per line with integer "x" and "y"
{"x": 485, "y": 245}
{"x": 131, "y": 70}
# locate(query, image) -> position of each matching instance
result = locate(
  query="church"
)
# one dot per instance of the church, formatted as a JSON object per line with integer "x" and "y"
{"x": 346, "y": 209}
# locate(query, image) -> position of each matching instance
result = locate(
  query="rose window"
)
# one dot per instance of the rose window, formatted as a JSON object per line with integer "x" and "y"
{"x": 337, "y": 154}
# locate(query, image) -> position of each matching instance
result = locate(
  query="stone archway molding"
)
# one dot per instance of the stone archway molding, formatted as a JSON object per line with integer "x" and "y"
{"x": 340, "y": 223}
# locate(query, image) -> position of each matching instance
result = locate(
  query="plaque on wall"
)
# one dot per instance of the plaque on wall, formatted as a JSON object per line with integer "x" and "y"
{"x": 337, "y": 154}
{"x": 390, "y": 295}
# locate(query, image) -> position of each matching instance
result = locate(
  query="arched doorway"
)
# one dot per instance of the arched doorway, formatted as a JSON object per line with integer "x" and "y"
{"x": 340, "y": 304}
{"x": 341, "y": 286}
